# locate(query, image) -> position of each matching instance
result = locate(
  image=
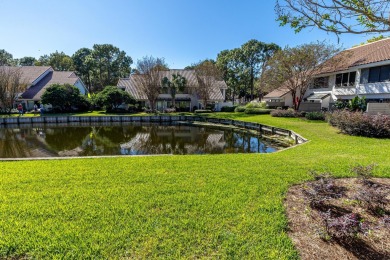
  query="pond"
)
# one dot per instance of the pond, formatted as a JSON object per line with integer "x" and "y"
{"x": 70, "y": 140}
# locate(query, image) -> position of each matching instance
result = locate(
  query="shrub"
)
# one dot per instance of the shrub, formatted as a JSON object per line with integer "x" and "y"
{"x": 228, "y": 109}
{"x": 359, "y": 124}
{"x": 284, "y": 113}
{"x": 256, "y": 105}
{"x": 374, "y": 198}
{"x": 322, "y": 190}
{"x": 240, "y": 109}
{"x": 317, "y": 115}
{"x": 258, "y": 111}
{"x": 364, "y": 173}
{"x": 345, "y": 226}
{"x": 201, "y": 111}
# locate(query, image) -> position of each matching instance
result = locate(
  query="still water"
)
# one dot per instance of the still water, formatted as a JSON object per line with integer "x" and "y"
{"x": 125, "y": 139}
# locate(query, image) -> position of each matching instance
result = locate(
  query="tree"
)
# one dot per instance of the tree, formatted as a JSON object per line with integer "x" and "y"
{"x": 11, "y": 85}
{"x": 60, "y": 61}
{"x": 178, "y": 83}
{"x": 207, "y": 75}
{"x": 43, "y": 61}
{"x": 83, "y": 66}
{"x": 6, "y": 58}
{"x": 149, "y": 77}
{"x": 232, "y": 69}
{"x": 337, "y": 16}
{"x": 108, "y": 63}
{"x": 27, "y": 61}
{"x": 112, "y": 97}
{"x": 254, "y": 54}
{"x": 295, "y": 68}
{"x": 64, "y": 98}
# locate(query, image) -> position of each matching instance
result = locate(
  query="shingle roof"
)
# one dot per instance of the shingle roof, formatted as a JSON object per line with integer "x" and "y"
{"x": 360, "y": 55}
{"x": 277, "y": 93}
{"x": 131, "y": 84}
{"x": 53, "y": 77}
{"x": 31, "y": 73}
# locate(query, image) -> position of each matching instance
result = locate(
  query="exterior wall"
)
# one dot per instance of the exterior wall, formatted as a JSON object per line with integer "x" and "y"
{"x": 310, "y": 106}
{"x": 378, "y": 108}
{"x": 81, "y": 87}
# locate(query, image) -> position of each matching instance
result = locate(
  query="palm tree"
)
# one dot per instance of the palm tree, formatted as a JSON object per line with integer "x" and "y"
{"x": 178, "y": 83}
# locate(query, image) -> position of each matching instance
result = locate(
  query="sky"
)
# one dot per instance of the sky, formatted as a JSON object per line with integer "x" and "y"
{"x": 181, "y": 31}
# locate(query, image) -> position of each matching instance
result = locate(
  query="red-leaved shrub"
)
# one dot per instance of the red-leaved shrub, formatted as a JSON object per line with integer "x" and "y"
{"x": 360, "y": 124}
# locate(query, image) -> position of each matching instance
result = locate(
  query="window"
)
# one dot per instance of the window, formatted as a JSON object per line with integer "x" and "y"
{"x": 375, "y": 74}
{"x": 346, "y": 79}
{"x": 321, "y": 82}
{"x": 385, "y": 74}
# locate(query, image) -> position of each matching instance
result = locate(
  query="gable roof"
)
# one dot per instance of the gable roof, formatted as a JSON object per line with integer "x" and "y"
{"x": 36, "y": 91}
{"x": 131, "y": 85}
{"x": 360, "y": 55}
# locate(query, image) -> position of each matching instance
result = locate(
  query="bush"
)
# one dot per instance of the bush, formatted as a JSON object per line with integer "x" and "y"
{"x": 315, "y": 116}
{"x": 256, "y": 105}
{"x": 228, "y": 109}
{"x": 359, "y": 124}
{"x": 201, "y": 111}
{"x": 240, "y": 109}
{"x": 284, "y": 113}
{"x": 258, "y": 111}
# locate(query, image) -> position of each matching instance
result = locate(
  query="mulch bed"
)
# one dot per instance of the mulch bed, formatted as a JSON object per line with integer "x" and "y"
{"x": 310, "y": 230}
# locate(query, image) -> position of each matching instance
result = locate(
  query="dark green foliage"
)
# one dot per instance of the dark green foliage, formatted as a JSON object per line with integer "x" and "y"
{"x": 112, "y": 97}
{"x": 65, "y": 98}
{"x": 316, "y": 115}
{"x": 258, "y": 111}
{"x": 355, "y": 104}
{"x": 357, "y": 123}
{"x": 284, "y": 113}
{"x": 228, "y": 109}
{"x": 240, "y": 109}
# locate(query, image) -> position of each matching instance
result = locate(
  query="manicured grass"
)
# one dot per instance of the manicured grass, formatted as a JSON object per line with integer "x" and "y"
{"x": 195, "y": 206}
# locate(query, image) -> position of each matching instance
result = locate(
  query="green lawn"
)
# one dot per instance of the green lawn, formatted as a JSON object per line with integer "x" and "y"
{"x": 195, "y": 206}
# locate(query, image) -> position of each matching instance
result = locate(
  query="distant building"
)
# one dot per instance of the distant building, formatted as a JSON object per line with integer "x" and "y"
{"x": 364, "y": 71}
{"x": 185, "y": 101}
{"x": 39, "y": 78}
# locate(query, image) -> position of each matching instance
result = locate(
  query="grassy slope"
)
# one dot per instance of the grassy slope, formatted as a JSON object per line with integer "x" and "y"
{"x": 170, "y": 206}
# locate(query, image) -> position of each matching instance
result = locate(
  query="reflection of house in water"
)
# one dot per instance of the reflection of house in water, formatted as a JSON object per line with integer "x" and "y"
{"x": 176, "y": 140}
{"x": 17, "y": 143}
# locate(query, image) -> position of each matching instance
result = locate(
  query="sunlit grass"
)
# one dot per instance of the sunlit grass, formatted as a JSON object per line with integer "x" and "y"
{"x": 195, "y": 206}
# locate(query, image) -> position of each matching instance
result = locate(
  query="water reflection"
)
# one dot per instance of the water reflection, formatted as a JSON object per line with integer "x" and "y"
{"x": 129, "y": 139}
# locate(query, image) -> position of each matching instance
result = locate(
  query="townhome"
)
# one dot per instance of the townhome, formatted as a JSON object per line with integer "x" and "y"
{"x": 186, "y": 100}
{"x": 362, "y": 71}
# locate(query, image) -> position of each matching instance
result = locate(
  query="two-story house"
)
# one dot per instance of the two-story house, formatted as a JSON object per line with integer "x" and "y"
{"x": 361, "y": 71}
{"x": 38, "y": 78}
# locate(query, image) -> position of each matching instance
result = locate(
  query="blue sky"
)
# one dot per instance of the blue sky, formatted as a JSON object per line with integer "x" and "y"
{"x": 183, "y": 32}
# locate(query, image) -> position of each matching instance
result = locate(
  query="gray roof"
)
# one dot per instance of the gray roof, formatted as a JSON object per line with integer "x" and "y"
{"x": 53, "y": 77}
{"x": 131, "y": 85}
{"x": 30, "y": 73}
